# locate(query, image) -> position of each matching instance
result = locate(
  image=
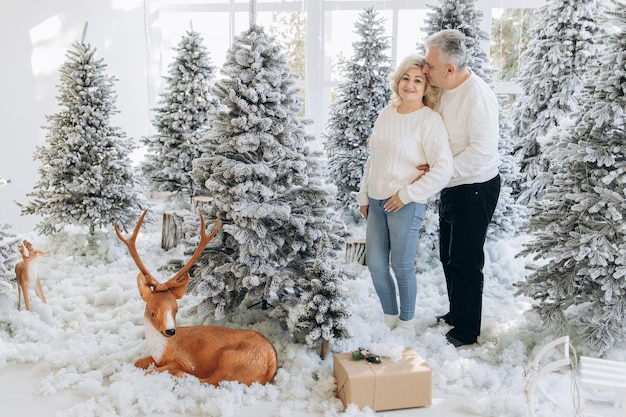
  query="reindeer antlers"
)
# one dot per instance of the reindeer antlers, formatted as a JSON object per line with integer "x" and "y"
{"x": 204, "y": 240}
{"x": 178, "y": 278}
{"x": 131, "y": 243}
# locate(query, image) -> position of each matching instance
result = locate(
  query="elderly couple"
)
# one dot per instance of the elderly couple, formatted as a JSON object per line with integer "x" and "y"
{"x": 439, "y": 134}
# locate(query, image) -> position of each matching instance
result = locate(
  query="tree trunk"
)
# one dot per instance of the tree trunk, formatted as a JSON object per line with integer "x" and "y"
{"x": 172, "y": 231}
{"x": 324, "y": 349}
{"x": 200, "y": 203}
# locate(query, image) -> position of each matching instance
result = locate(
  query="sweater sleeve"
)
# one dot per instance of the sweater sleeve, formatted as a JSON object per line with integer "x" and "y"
{"x": 439, "y": 158}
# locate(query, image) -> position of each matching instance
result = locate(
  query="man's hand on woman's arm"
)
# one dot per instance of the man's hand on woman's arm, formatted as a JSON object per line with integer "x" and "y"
{"x": 424, "y": 168}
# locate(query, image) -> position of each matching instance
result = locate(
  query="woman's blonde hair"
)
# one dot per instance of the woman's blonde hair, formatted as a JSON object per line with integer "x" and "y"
{"x": 431, "y": 94}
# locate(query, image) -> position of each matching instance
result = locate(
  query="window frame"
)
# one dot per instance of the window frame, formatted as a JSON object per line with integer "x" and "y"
{"x": 318, "y": 69}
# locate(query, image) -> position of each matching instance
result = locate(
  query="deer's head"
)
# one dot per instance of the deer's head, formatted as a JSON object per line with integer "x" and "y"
{"x": 162, "y": 305}
{"x": 161, "y": 298}
{"x": 28, "y": 252}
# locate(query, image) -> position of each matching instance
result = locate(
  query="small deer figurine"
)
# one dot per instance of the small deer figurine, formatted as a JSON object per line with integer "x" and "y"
{"x": 26, "y": 270}
{"x": 211, "y": 353}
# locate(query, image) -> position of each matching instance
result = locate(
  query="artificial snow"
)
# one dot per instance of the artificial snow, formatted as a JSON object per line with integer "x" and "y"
{"x": 76, "y": 353}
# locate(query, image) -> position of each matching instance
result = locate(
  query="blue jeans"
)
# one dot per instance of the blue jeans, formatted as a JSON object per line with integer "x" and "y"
{"x": 394, "y": 235}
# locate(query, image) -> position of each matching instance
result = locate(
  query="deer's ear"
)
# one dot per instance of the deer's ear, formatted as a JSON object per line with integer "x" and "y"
{"x": 144, "y": 289}
{"x": 181, "y": 285}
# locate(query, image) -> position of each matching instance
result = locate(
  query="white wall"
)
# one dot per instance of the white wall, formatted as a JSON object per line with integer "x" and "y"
{"x": 34, "y": 38}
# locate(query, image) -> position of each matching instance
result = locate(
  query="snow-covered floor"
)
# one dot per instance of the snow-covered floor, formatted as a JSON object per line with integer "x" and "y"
{"x": 74, "y": 355}
{"x": 19, "y": 383}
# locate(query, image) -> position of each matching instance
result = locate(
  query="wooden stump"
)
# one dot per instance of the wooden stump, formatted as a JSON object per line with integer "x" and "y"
{"x": 355, "y": 251}
{"x": 200, "y": 203}
{"x": 172, "y": 231}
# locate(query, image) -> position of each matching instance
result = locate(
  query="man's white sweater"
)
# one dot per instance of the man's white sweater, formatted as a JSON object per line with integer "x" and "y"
{"x": 470, "y": 113}
{"x": 397, "y": 145}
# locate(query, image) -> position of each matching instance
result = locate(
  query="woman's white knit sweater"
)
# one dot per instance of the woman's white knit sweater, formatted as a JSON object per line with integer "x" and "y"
{"x": 397, "y": 145}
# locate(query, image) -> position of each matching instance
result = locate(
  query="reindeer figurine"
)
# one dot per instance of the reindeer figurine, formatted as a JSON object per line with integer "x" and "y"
{"x": 211, "y": 353}
{"x": 26, "y": 270}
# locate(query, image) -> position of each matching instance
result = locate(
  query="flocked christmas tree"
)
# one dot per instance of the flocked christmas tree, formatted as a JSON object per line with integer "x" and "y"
{"x": 579, "y": 233}
{"x": 321, "y": 309}
{"x": 8, "y": 252}
{"x": 267, "y": 187}
{"x": 181, "y": 119}
{"x": 8, "y": 246}
{"x": 86, "y": 177}
{"x": 552, "y": 67}
{"x": 463, "y": 16}
{"x": 360, "y": 98}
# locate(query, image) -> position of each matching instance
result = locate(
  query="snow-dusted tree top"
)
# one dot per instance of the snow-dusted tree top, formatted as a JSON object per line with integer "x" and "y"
{"x": 463, "y": 16}
{"x": 560, "y": 54}
{"x": 8, "y": 252}
{"x": 579, "y": 235}
{"x": 181, "y": 119}
{"x": 86, "y": 177}
{"x": 267, "y": 187}
{"x": 360, "y": 98}
{"x": 8, "y": 246}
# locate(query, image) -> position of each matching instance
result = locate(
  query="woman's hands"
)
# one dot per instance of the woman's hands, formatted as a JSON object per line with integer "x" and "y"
{"x": 394, "y": 203}
{"x": 364, "y": 210}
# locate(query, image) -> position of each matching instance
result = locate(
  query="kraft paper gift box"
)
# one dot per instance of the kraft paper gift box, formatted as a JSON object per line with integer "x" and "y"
{"x": 389, "y": 385}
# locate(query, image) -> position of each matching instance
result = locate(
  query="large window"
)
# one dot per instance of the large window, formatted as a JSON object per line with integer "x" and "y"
{"x": 318, "y": 34}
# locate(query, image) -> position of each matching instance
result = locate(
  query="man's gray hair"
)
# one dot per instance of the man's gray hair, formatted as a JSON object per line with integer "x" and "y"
{"x": 451, "y": 44}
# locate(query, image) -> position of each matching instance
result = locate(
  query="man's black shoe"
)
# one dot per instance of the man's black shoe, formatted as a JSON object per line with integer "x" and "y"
{"x": 445, "y": 318}
{"x": 456, "y": 342}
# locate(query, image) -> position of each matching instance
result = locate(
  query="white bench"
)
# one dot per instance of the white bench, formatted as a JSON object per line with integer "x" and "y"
{"x": 605, "y": 375}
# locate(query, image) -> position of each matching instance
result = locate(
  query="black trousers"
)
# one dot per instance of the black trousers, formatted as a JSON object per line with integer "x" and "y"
{"x": 464, "y": 215}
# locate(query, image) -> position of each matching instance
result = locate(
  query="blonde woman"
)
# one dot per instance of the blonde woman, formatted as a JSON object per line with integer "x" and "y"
{"x": 407, "y": 134}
